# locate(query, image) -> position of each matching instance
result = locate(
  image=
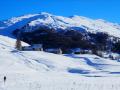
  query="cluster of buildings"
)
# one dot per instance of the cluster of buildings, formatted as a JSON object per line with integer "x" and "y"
{"x": 39, "y": 47}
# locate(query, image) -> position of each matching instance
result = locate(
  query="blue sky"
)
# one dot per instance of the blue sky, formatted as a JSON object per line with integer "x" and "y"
{"x": 96, "y": 9}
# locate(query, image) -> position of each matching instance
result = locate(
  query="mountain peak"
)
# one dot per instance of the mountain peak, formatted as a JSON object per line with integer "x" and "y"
{"x": 45, "y": 13}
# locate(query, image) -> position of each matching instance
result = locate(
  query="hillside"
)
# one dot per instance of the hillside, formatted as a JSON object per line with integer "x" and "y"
{"x": 32, "y": 70}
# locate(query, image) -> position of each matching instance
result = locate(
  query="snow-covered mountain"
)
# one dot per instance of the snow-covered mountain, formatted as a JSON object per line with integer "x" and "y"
{"x": 58, "y": 22}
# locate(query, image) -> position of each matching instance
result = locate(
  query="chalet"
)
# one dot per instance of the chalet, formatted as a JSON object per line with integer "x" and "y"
{"x": 77, "y": 51}
{"x": 33, "y": 47}
{"x": 54, "y": 50}
{"x": 81, "y": 51}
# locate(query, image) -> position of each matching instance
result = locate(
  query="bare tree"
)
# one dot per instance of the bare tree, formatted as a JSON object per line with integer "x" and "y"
{"x": 18, "y": 41}
{"x": 18, "y": 44}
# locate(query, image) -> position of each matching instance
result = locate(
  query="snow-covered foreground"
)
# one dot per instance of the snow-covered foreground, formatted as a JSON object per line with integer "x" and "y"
{"x": 35, "y": 70}
{"x": 57, "y": 81}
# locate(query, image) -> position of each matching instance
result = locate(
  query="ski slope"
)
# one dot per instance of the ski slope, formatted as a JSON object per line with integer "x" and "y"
{"x": 37, "y": 70}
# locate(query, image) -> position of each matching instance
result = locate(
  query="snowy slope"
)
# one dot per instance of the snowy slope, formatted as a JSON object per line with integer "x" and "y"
{"x": 51, "y": 62}
{"x": 35, "y": 70}
{"x": 59, "y": 22}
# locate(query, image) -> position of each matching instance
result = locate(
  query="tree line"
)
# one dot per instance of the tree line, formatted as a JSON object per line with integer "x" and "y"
{"x": 67, "y": 39}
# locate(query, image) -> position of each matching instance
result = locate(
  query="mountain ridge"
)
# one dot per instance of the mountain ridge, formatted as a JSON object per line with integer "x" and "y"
{"x": 60, "y": 22}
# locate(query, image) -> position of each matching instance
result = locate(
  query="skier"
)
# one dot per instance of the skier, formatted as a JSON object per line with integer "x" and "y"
{"x": 4, "y": 79}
